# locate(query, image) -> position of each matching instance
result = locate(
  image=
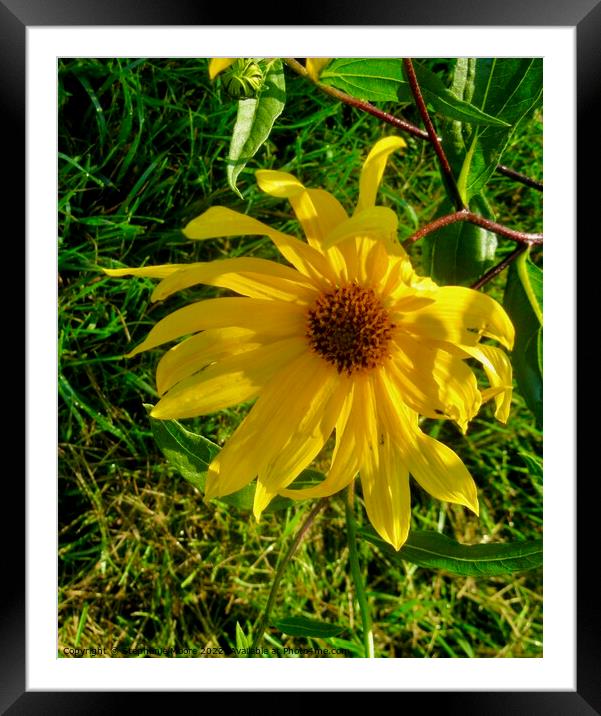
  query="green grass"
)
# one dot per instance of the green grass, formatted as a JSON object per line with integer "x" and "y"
{"x": 143, "y": 562}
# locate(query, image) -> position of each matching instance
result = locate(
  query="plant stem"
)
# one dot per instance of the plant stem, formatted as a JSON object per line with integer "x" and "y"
{"x": 442, "y": 157}
{"x": 522, "y": 178}
{"x": 496, "y": 270}
{"x": 469, "y": 216}
{"x": 368, "y": 637}
{"x": 260, "y": 629}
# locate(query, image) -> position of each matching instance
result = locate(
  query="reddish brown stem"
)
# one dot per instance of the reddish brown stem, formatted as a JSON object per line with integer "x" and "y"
{"x": 522, "y": 178}
{"x": 435, "y": 141}
{"x": 496, "y": 270}
{"x": 469, "y": 216}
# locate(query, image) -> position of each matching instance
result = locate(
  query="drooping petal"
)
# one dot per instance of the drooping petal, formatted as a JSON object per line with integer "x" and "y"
{"x": 233, "y": 380}
{"x": 275, "y": 318}
{"x": 202, "y": 349}
{"x": 441, "y": 472}
{"x": 249, "y": 276}
{"x": 385, "y": 485}
{"x": 307, "y": 436}
{"x": 433, "y": 382}
{"x": 462, "y": 316}
{"x": 435, "y": 466}
{"x": 347, "y": 453}
{"x": 497, "y": 367}
{"x": 219, "y": 221}
{"x": 268, "y": 425}
{"x": 373, "y": 169}
{"x": 219, "y": 64}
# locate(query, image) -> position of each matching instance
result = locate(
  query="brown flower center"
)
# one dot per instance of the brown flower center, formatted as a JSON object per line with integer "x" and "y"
{"x": 350, "y": 328}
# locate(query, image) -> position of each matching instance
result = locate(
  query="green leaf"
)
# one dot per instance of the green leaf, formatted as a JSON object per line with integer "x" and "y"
{"x": 436, "y": 551}
{"x": 378, "y": 79}
{"x": 190, "y": 454}
{"x": 242, "y": 640}
{"x": 254, "y": 122}
{"x": 446, "y": 102}
{"x": 509, "y": 89}
{"x": 303, "y": 626}
{"x": 524, "y": 303}
{"x": 461, "y": 252}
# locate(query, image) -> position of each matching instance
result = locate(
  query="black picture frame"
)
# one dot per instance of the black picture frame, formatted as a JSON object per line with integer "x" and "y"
{"x": 585, "y": 16}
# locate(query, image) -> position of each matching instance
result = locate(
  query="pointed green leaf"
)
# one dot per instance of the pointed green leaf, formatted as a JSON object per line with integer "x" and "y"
{"x": 436, "y": 551}
{"x": 188, "y": 453}
{"x": 303, "y": 626}
{"x": 254, "y": 122}
{"x": 524, "y": 303}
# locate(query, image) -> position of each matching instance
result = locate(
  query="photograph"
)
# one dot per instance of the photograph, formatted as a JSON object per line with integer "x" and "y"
{"x": 300, "y": 357}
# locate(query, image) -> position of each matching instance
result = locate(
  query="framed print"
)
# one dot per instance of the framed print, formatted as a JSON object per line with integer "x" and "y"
{"x": 142, "y": 137}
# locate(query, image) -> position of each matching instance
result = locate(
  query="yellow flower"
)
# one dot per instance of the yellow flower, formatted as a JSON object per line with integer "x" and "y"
{"x": 346, "y": 340}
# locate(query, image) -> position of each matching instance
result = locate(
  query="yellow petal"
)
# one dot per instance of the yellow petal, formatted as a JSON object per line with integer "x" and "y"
{"x": 160, "y": 271}
{"x": 232, "y": 380}
{"x": 377, "y": 222}
{"x": 264, "y": 430}
{"x": 263, "y": 496}
{"x": 497, "y": 367}
{"x": 276, "y": 318}
{"x": 254, "y": 277}
{"x": 329, "y": 209}
{"x": 373, "y": 169}
{"x": 386, "y": 493}
{"x": 347, "y": 453}
{"x": 317, "y": 211}
{"x": 462, "y": 316}
{"x": 315, "y": 65}
{"x": 433, "y": 382}
{"x": 441, "y": 472}
{"x": 435, "y": 466}
{"x": 412, "y": 301}
{"x": 219, "y": 64}
{"x": 284, "y": 185}
{"x": 219, "y": 221}
{"x": 307, "y": 434}
{"x": 200, "y": 350}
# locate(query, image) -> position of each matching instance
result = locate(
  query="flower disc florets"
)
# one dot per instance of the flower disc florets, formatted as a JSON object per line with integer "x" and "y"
{"x": 350, "y": 328}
